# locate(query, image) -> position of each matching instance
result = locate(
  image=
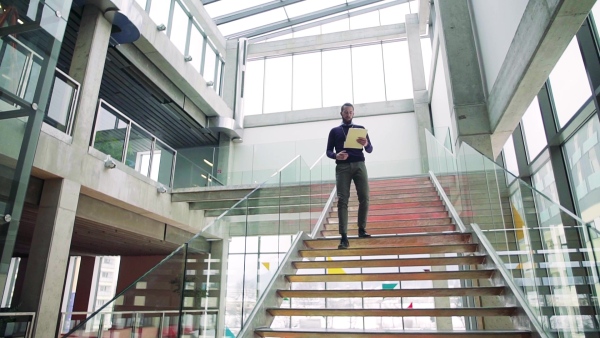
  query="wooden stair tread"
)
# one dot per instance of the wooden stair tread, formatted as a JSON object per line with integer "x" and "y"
{"x": 396, "y": 230}
{"x": 398, "y": 223}
{"x": 392, "y": 276}
{"x": 415, "y": 250}
{"x": 432, "y": 312}
{"x": 336, "y": 333}
{"x": 392, "y": 241}
{"x": 365, "y": 263}
{"x": 427, "y": 292}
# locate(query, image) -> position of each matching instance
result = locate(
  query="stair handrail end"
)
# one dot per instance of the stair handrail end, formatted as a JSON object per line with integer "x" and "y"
{"x": 323, "y": 215}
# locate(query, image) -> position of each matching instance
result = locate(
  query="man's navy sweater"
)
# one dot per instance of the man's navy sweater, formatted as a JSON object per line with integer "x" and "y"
{"x": 337, "y": 136}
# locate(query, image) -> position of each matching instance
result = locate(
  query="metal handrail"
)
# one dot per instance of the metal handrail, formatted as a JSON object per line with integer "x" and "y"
{"x": 449, "y": 205}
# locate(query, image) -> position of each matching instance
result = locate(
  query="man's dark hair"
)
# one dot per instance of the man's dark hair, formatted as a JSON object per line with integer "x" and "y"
{"x": 346, "y": 105}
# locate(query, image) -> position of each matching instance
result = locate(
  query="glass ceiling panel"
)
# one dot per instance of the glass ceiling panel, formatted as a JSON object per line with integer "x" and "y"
{"x": 304, "y": 7}
{"x": 253, "y": 21}
{"x": 223, "y": 7}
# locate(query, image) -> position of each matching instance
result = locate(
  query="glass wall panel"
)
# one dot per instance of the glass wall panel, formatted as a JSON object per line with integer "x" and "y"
{"x": 253, "y": 87}
{"x": 569, "y": 82}
{"x": 337, "y": 77}
{"x": 139, "y": 150}
{"x": 210, "y": 59}
{"x": 367, "y": 71}
{"x": 179, "y": 28}
{"x": 543, "y": 181}
{"x": 19, "y": 67}
{"x": 396, "y": 63}
{"x": 533, "y": 130}
{"x": 196, "y": 47}
{"x": 306, "y": 81}
{"x": 278, "y": 84}
{"x": 583, "y": 161}
{"x": 162, "y": 163}
{"x": 159, "y": 12}
{"x": 110, "y": 134}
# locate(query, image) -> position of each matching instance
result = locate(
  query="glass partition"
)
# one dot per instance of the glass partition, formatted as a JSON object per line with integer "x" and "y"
{"x": 548, "y": 251}
{"x": 127, "y": 142}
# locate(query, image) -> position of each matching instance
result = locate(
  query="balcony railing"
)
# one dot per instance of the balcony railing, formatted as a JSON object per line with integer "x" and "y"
{"x": 127, "y": 142}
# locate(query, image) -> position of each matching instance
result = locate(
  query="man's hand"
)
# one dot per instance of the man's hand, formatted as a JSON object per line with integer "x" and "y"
{"x": 363, "y": 141}
{"x": 342, "y": 155}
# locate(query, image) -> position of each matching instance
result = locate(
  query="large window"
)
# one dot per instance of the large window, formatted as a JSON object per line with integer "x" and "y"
{"x": 533, "y": 128}
{"x": 361, "y": 74}
{"x": 569, "y": 83}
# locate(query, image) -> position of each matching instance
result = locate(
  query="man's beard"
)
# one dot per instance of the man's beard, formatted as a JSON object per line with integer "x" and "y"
{"x": 349, "y": 122}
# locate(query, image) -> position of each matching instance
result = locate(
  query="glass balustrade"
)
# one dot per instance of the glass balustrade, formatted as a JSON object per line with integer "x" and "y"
{"x": 127, "y": 142}
{"x": 549, "y": 252}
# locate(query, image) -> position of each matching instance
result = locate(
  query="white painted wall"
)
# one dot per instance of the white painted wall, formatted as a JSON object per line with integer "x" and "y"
{"x": 496, "y": 23}
{"x": 265, "y": 149}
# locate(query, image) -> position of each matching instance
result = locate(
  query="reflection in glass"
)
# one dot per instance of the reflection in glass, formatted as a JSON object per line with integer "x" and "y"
{"x": 307, "y": 81}
{"x": 139, "y": 150}
{"x": 278, "y": 84}
{"x": 110, "y": 133}
{"x": 19, "y": 68}
{"x": 337, "y": 77}
{"x": 179, "y": 28}
{"x": 367, "y": 74}
{"x": 253, "y": 87}
{"x": 569, "y": 81}
{"x": 162, "y": 163}
{"x": 583, "y": 160}
{"x": 62, "y": 102}
{"x": 396, "y": 62}
{"x": 533, "y": 130}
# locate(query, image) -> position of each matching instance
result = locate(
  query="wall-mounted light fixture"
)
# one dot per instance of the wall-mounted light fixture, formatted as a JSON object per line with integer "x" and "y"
{"x": 109, "y": 163}
{"x": 210, "y": 84}
{"x": 161, "y": 27}
{"x": 187, "y": 58}
{"x": 161, "y": 189}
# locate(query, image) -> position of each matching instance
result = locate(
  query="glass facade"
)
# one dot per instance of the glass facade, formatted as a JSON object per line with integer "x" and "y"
{"x": 32, "y": 35}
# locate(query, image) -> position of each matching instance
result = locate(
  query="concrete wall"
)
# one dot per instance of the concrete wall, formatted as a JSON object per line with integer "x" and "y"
{"x": 495, "y": 24}
{"x": 394, "y": 138}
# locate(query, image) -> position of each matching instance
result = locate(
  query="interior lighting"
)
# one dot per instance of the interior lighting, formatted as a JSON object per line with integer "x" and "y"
{"x": 208, "y": 162}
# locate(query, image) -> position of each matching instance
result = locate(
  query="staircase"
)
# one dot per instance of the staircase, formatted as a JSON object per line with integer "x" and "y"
{"x": 411, "y": 279}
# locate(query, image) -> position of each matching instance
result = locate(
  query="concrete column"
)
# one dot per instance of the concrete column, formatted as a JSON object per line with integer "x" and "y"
{"x": 224, "y": 158}
{"x": 464, "y": 79}
{"x": 420, "y": 94}
{"x": 87, "y": 67}
{"x": 49, "y": 255}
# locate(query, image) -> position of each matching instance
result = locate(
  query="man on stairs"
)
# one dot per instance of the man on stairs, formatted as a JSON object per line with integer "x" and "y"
{"x": 350, "y": 160}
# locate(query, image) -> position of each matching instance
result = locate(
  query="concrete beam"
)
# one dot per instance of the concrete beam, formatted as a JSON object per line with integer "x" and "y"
{"x": 157, "y": 48}
{"x": 324, "y": 41}
{"x": 544, "y": 32}
{"x": 206, "y": 22}
{"x": 328, "y": 113}
{"x": 463, "y": 74}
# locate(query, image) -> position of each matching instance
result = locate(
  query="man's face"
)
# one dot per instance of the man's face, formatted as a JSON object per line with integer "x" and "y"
{"x": 347, "y": 114}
